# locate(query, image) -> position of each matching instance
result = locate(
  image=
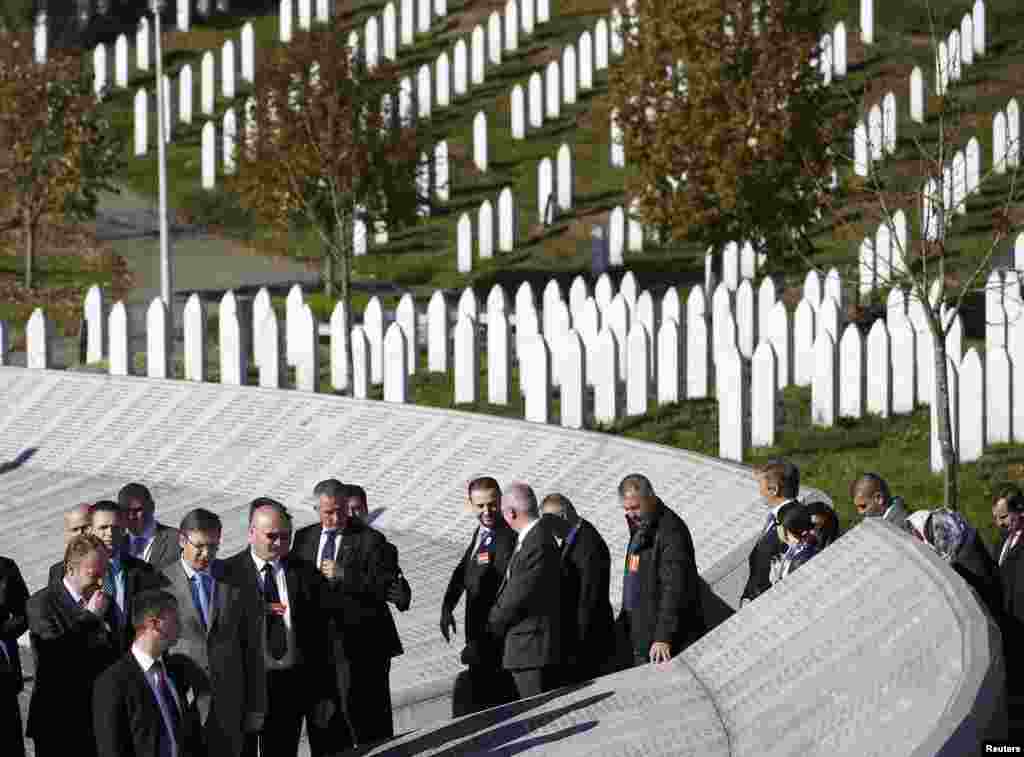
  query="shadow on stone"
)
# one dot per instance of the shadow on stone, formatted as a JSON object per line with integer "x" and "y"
{"x": 21, "y": 459}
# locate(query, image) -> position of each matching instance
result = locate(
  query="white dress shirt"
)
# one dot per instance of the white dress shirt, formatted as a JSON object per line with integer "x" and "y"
{"x": 149, "y": 670}
{"x": 147, "y": 545}
{"x": 290, "y": 656}
{"x": 73, "y": 592}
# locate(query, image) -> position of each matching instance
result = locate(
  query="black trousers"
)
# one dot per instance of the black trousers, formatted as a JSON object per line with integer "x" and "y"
{"x": 481, "y": 687}
{"x": 532, "y": 681}
{"x": 287, "y": 699}
{"x": 12, "y": 740}
{"x": 369, "y": 713}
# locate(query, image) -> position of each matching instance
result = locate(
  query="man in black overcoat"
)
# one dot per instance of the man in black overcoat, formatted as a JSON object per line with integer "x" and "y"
{"x": 779, "y": 483}
{"x": 13, "y": 623}
{"x": 479, "y": 574}
{"x": 588, "y": 621}
{"x": 360, "y": 571}
{"x": 661, "y": 611}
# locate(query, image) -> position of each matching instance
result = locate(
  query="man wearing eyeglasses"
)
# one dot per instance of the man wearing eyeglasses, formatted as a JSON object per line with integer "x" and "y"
{"x": 220, "y": 632}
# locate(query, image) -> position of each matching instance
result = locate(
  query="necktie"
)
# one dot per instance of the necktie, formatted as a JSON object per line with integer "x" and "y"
{"x": 170, "y": 707}
{"x": 201, "y": 598}
{"x": 277, "y": 634}
{"x": 486, "y": 537}
{"x": 110, "y": 589}
{"x": 138, "y": 546}
{"x": 330, "y": 540}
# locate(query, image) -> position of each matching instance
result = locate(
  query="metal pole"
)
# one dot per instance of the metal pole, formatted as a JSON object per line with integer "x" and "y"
{"x": 166, "y": 273}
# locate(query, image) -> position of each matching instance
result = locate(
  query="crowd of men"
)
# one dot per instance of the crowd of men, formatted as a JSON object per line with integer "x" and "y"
{"x": 146, "y": 644}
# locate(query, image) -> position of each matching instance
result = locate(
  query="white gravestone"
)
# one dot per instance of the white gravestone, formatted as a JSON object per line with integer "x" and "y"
{"x": 746, "y": 325}
{"x": 879, "y": 370}
{"x": 635, "y": 230}
{"x": 38, "y": 46}
{"x": 998, "y": 393}
{"x": 825, "y": 63}
{"x": 121, "y": 61}
{"x": 209, "y": 159}
{"x": 828, "y": 318}
{"x": 441, "y": 8}
{"x": 803, "y": 344}
{"x": 776, "y": 332}
{"x": 517, "y": 108}
{"x": 499, "y": 358}
{"x": 442, "y": 179}
{"x": 536, "y": 100}
{"x": 698, "y": 374}
{"x": 141, "y": 123}
{"x": 407, "y": 318}
{"x": 285, "y": 26}
{"x": 765, "y": 304}
{"x": 142, "y": 44}
{"x": 601, "y": 45}
{"x": 644, "y": 313}
{"x": 480, "y": 141}
{"x": 889, "y": 123}
{"x": 748, "y": 261}
{"x": 960, "y": 183}
{"x": 618, "y": 150}
{"x": 627, "y": 286}
{"x": 95, "y": 325}
{"x": 360, "y": 363}
{"x": 389, "y": 31}
{"x": 572, "y": 380}
{"x": 423, "y": 8}
{"x": 506, "y": 220}
{"x": 537, "y": 403}
{"x": 233, "y": 363}
{"x": 371, "y": 42}
{"x": 860, "y": 149}
{"x": 464, "y": 244}
{"x": 543, "y": 13}
{"x": 604, "y": 291}
{"x": 999, "y": 143}
{"x": 995, "y": 313}
{"x": 917, "y": 95}
{"x": 954, "y": 337}
{"x": 615, "y": 32}
{"x": 424, "y": 92}
{"x": 875, "y": 132}
{"x": 618, "y": 319}
{"x": 230, "y": 128}
{"x": 524, "y": 306}
{"x": 396, "y": 368}
{"x": 638, "y": 379}
{"x": 578, "y": 295}
{"x": 307, "y": 359}
{"x": 606, "y": 377}
{"x": 669, "y": 364}
{"x": 551, "y": 297}
{"x": 373, "y": 325}
{"x": 545, "y": 190}
{"x": 923, "y": 343}
{"x": 467, "y": 362}
{"x": 851, "y": 373}
{"x": 553, "y": 90}
{"x": 461, "y": 68}
{"x": 477, "y": 55}
{"x": 38, "y": 335}
{"x": 763, "y": 396}
{"x": 194, "y": 323}
{"x": 972, "y": 408}
{"x": 121, "y": 357}
{"x": 511, "y": 26}
{"x": 979, "y": 28}
{"x": 1015, "y": 346}
{"x": 867, "y": 21}
{"x": 340, "y": 374}
{"x": 812, "y": 289}
{"x": 185, "y": 94}
{"x": 569, "y": 75}
{"x": 407, "y": 22}
{"x": 973, "y": 154}
{"x": 1012, "y": 133}
{"x": 586, "y": 46}
{"x": 588, "y": 326}
{"x": 207, "y": 93}
{"x": 437, "y": 333}
{"x": 494, "y": 38}
{"x": 903, "y": 349}
{"x": 405, "y": 97}
{"x": 824, "y": 384}
{"x": 866, "y": 267}
{"x": 270, "y": 341}
{"x": 157, "y": 340}
{"x": 731, "y": 265}
{"x": 942, "y": 69}
{"x": 616, "y": 235}
{"x": 953, "y": 46}
{"x": 839, "y": 50}
{"x": 733, "y": 401}
{"x": 442, "y": 76}
{"x": 260, "y": 307}
{"x": 485, "y": 230}
{"x": 99, "y": 69}
{"x": 305, "y": 14}
{"x": 967, "y": 40}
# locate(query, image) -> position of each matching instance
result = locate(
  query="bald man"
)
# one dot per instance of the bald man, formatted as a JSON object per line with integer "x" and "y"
{"x": 76, "y": 523}
{"x": 527, "y": 611}
{"x": 299, "y": 680}
{"x": 872, "y": 498}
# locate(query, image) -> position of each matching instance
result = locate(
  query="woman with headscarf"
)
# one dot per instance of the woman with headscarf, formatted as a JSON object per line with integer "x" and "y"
{"x": 796, "y": 531}
{"x": 958, "y": 543}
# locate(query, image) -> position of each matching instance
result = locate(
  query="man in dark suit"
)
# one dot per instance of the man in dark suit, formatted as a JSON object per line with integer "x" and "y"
{"x": 399, "y": 593}
{"x": 479, "y": 574}
{"x": 588, "y": 622}
{"x": 778, "y": 482}
{"x": 126, "y": 575}
{"x": 1011, "y": 574}
{"x": 1001, "y": 517}
{"x": 527, "y": 611}
{"x": 148, "y": 539}
{"x": 220, "y": 633}
{"x": 74, "y": 642}
{"x": 359, "y": 570}
{"x": 13, "y": 623}
{"x": 144, "y": 705}
{"x": 661, "y": 611}
{"x": 294, "y": 645}
{"x": 76, "y": 523}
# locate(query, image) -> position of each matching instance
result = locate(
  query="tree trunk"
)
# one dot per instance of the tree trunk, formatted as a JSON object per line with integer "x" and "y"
{"x": 328, "y": 273}
{"x": 29, "y": 235}
{"x": 950, "y": 459}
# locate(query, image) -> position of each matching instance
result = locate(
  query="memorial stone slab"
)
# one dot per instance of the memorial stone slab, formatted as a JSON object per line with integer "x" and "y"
{"x": 536, "y": 100}
{"x": 293, "y": 309}
{"x": 437, "y": 333}
{"x": 972, "y": 407}
{"x": 396, "y": 364}
{"x": 360, "y": 363}
{"x": 698, "y": 368}
{"x": 733, "y": 402}
{"x": 638, "y": 377}
{"x": 604, "y": 290}
{"x": 196, "y": 359}
{"x": 468, "y": 305}
{"x": 408, "y": 319}
{"x": 763, "y": 396}
{"x": 499, "y": 356}
{"x": 38, "y": 337}
{"x": 467, "y": 362}
{"x": 307, "y": 359}
{"x": 340, "y": 373}
{"x": 232, "y": 357}
{"x": 121, "y": 354}
{"x": 606, "y": 377}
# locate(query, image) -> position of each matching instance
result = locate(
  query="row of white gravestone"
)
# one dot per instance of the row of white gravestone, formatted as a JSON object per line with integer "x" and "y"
{"x": 503, "y": 233}
{"x": 289, "y": 15}
{"x": 225, "y": 150}
{"x": 1006, "y": 146}
{"x": 878, "y": 137}
{"x": 555, "y": 186}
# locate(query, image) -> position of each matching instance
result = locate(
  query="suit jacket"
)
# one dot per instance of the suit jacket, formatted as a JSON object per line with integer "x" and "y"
{"x": 55, "y": 574}
{"x": 305, "y": 597}
{"x": 480, "y": 582}
{"x": 527, "y": 611}
{"x": 139, "y": 576}
{"x": 896, "y": 513}
{"x": 997, "y": 548}
{"x": 13, "y": 623}
{"x": 976, "y": 566}
{"x": 767, "y": 548}
{"x": 357, "y": 601}
{"x": 227, "y": 657}
{"x": 165, "y": 548}
{"x": 73, "y": 647}
{"x": 588, "y": 621}
{"x": 126, "y": 715}
{"x": 668, "y": 609}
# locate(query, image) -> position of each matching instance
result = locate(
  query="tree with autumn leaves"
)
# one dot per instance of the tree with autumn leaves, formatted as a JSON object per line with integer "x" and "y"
{"x": 724, "y": 123}
{"x": 57, "y": 150}
{"x": 323, "y": 148}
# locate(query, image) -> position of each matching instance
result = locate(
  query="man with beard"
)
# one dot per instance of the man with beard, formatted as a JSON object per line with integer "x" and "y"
{"x": 479, "y": 574}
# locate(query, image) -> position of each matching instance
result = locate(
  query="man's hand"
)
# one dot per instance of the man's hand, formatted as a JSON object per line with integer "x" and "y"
{"x": 329, "y": 569}
{"x": 660, "y": 652}
{"x": 323, "y": 712}
{"x": 447, "y": 623}
{"x": 254, "y": 722}
{"x": 98, "y": 603}
{"x": 399, "y": 594}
